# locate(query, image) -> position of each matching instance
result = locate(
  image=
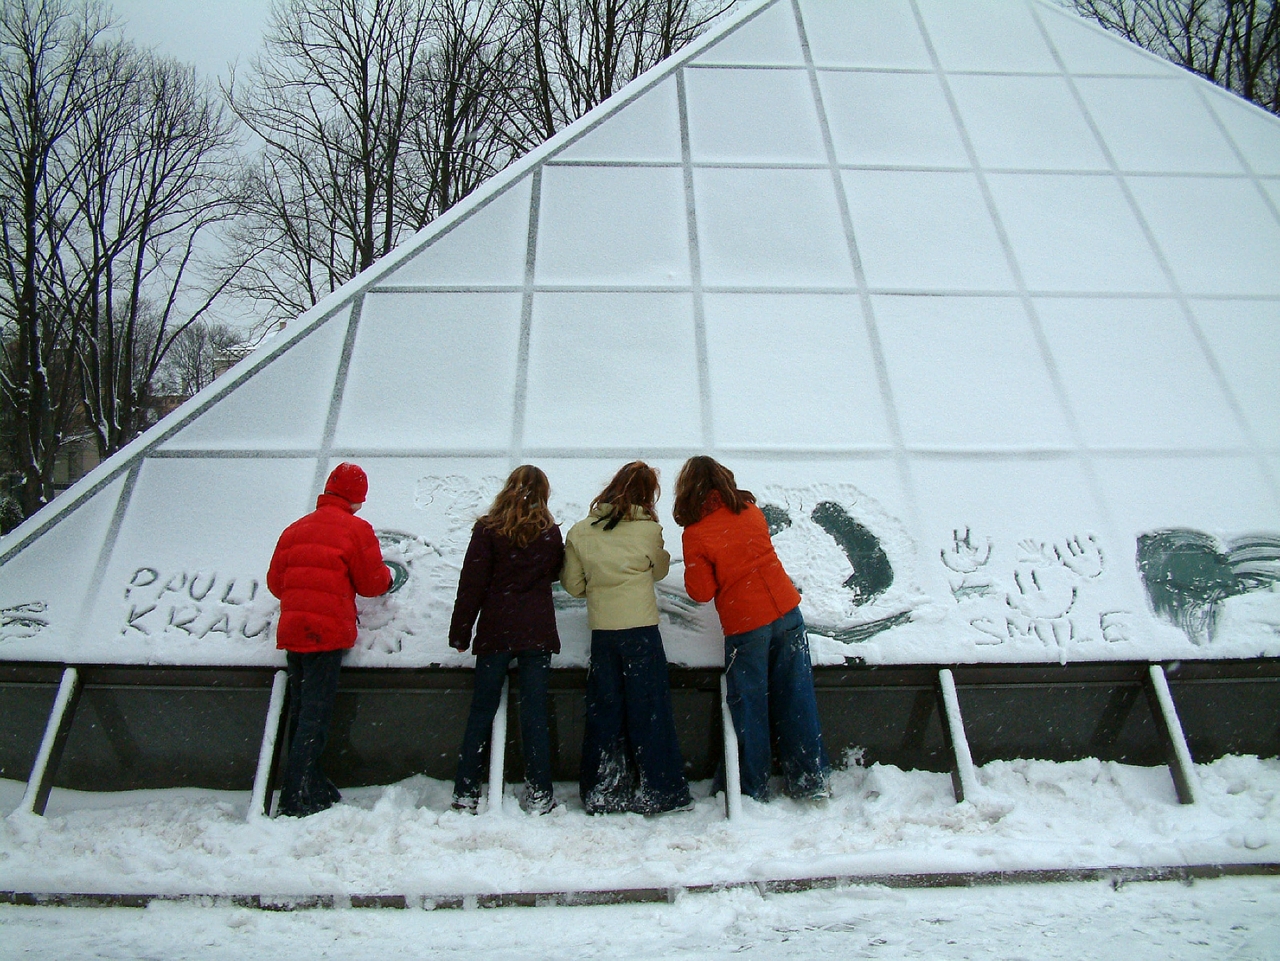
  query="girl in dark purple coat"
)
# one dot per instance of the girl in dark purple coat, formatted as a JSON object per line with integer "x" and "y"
{"x": 514, "y": 557}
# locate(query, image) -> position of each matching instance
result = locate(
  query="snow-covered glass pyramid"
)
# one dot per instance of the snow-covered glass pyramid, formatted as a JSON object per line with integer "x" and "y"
{"x": 982, "y": 302}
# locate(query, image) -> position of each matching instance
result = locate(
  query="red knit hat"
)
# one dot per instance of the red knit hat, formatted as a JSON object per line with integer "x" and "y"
{"x": 348, "y": 482}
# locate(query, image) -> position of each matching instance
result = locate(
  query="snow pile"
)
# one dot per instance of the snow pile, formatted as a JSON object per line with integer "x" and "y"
{"x": 404, "y": 839}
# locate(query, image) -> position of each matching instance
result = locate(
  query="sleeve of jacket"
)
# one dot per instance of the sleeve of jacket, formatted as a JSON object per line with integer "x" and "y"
{"x": 661, "y": 557}
{"x": 558, "y": 554}
{"x": 473, "y": 583}
{"x": 572, "y": 576}
{"x": 275, "y": 573}
{"x": 699, "y": 572}
{"x": 369, "y": 575}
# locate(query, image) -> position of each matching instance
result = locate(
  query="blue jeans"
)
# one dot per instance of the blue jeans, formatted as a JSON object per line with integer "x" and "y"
{"x": 313, "y": 687}
{"x": 771, "y": 693}
{"x": 490, "y": 672}
{"x": 631, "y": 758}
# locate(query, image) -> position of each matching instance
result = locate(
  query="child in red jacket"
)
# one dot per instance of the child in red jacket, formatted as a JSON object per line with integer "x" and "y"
{"x": 320, "y": 563}
{"x": 729, "y": 556}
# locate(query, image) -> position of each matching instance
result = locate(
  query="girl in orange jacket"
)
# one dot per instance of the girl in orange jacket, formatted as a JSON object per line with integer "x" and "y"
{"x": 729, "y": 557}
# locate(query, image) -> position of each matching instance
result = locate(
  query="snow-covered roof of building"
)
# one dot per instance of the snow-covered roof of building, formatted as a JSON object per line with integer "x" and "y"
{"x": 981, "y": 301}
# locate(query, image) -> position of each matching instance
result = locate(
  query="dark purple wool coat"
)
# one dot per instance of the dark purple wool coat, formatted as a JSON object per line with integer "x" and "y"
{"x": 510, "y": 589}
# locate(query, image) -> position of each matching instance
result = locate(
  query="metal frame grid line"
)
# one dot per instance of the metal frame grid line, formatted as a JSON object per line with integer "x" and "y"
{"x": 1015, "y": 268}
{"x": 521, "y": 397}
{"x": 323, "y": 456}
{"x": 695, "y": 269}
{"x": 884, "y": 385}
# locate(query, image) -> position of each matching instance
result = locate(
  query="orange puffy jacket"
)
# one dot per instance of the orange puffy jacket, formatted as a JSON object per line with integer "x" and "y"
{"x": 320, "y": 563}
{"x": 730, "y": 557}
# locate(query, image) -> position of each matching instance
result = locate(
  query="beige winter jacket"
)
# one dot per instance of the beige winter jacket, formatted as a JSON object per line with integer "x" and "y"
{"x": 616, "y": 569}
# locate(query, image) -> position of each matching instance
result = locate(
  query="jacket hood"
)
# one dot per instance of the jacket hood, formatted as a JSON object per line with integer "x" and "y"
{"x": 712, "y": 504}
{"x": 638, "y": 513}
{"x": 333, "y": 500}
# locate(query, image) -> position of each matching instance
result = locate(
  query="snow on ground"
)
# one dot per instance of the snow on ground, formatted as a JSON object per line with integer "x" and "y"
{"x": 1226, "y": 918}
{"x": 403, "y": 839}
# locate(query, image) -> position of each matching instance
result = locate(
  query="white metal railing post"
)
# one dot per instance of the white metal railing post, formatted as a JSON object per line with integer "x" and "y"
{"x": 732, "y": 772}
{"x": 966, "y": 779}
{"x": 36, "y": 795}
{"x": 1181, "y": 766}
{"x": 498, "y": 752}
{"x": 267, "y": 751}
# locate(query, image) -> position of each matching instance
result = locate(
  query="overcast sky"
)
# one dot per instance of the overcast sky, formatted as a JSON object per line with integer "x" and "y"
{"x": 207, "y": 33}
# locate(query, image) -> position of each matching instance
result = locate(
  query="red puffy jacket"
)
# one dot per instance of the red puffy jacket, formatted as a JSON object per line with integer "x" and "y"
{"x": 730, "y": 557}
{"x": 321, "y": 562}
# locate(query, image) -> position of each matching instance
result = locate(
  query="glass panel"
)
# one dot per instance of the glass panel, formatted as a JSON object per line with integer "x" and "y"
{"x": 612, "y": 370}
{"x": 759, "y": 344}
{"x": 1136, "y": 376}
{"x": 1228, "y": 717}
{"x": 423, "y": 510}
{"x": 1075, "y": 234}
{"x": 864, "y": 33}
{"x": 1218, "y": 235}
{"x": 1026, "y": 122}
{"x": 769, "y": 38}
{"x": 1245, "y": 338}
{"x": 43, "y": 587}
{"x": 1061, "y": 723}
{"x": 1157, "y": 125}
{"x": 385, "y": 736}
{"x": 488, "y": 247}
{"x": 925, "y": 231}
{"x": 966, "y": 374}
{"x": 295, "y": 386}
{"x": 986, "y": 36}
{"x": 614, "y": 225}
{"x": 24, "y": 712}
{"x": 417, "y": 379}
{"x": 892, "y": 119}
{"x": 840, "y": 530}
{"x": 1087, "y": 48}
{"x": 647, "y": 128}
{"x": 1025, "y": 566}
{"x": 186, "y": 582}
{"x": 1218, "y": 495}
{"x": 758, "y": 115}
{"x": 788, "y": 235}
{"x": 1254, "y": 131}
{"x": 130, "y": 738}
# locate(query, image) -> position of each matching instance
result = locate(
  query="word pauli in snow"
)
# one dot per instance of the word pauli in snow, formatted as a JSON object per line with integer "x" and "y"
{"x": 198, "y": 604}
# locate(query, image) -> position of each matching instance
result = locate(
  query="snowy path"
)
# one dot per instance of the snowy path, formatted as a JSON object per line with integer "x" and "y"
{"x": 1236, "y": 918}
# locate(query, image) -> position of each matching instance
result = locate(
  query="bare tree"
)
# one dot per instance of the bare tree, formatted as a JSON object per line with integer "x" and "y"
{"x": 459, "y": 103}
{"x": 575, "y": 54}
{"x": 330, "y": 101}
{"x": 46, "y": 74}
{"x": 1234, "y": 43}
{"x": 191, "y": 363}
{"x": 156, "y": 177}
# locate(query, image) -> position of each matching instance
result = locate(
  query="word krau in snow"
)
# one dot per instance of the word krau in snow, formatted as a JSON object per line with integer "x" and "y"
{"x": 197, "y": 603}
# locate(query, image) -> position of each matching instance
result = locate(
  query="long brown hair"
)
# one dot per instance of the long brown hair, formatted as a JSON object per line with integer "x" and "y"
{"x": 519, "y": 512}
{"x": 635, "y": 485}
{"x": 698, "y": 478}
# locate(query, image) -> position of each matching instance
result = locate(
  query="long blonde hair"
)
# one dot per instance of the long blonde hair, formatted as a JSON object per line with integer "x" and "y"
{"x": 635, "y": 485}
{"x": 519, "y": 512}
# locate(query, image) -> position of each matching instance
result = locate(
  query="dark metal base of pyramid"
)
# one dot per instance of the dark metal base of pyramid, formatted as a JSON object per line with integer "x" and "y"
{"x": 145, "y": 727}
